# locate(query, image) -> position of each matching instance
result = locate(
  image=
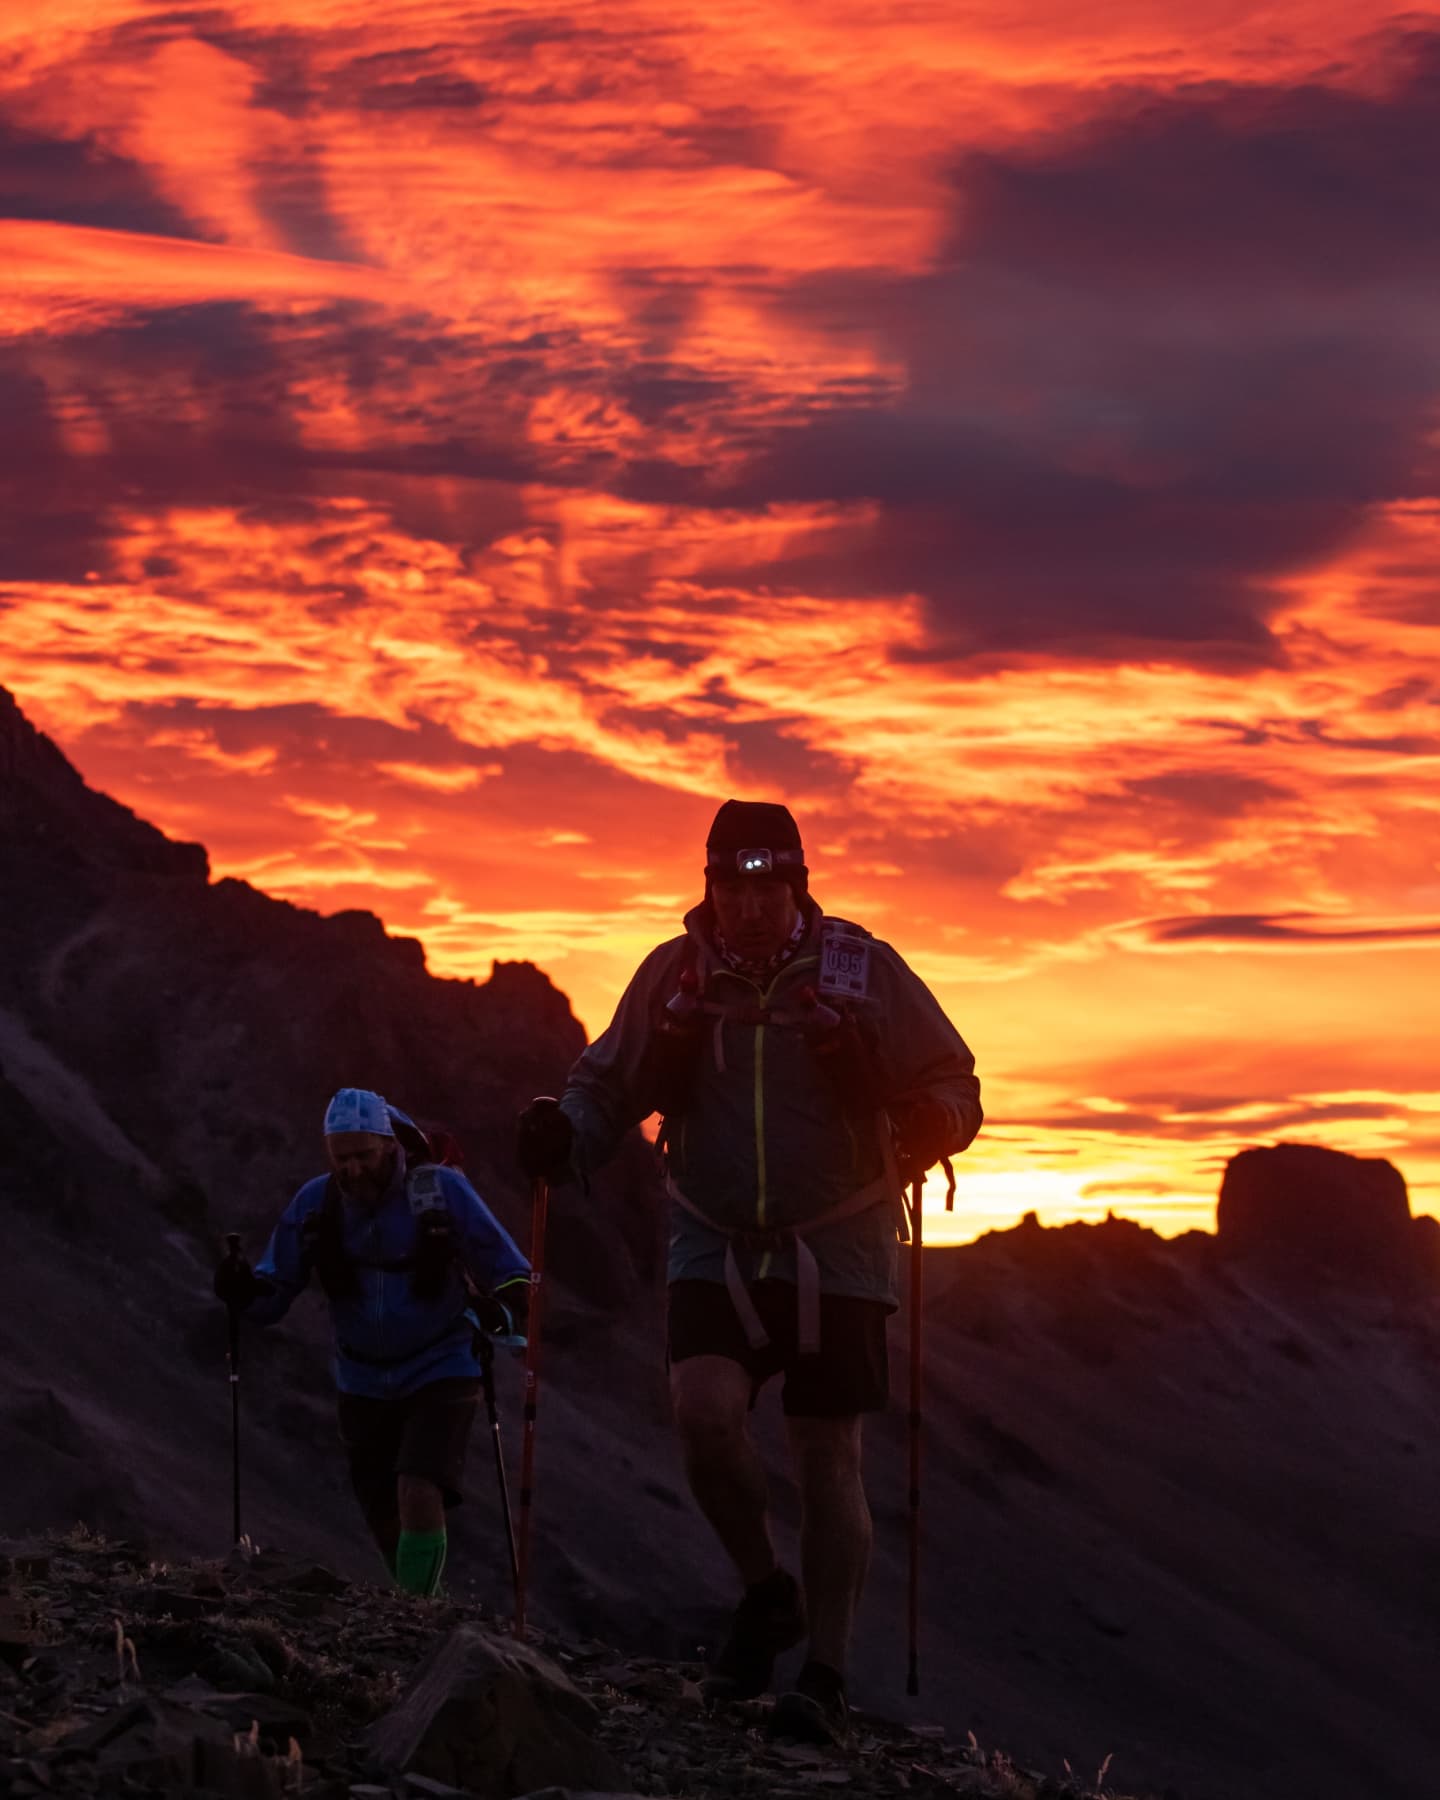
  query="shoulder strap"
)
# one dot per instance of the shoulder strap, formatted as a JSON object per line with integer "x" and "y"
{"x": 323, "y": 1237}
{"x": 423, "y": 1190}
{"x": 437, "y": 1249}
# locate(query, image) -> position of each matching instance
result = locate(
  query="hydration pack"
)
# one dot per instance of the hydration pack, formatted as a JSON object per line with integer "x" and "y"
{"x": 436, "y": 1251}
{"x": 839, "y": 1033}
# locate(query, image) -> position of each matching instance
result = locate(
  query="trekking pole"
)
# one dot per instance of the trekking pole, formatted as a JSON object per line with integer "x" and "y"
{"x": 487, "y": 1381}
{"x": 232, "y": 1245}
{"x": 539, "y": 1201}
{"x": 917, "y": 1302}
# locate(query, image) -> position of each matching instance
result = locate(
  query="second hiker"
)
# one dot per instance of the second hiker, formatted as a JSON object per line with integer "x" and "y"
{"x": 803, "y": 1071}
{"x": 415, "y": 1267}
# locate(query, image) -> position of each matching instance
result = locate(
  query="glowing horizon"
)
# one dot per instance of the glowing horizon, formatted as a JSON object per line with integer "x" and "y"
{"x": 451, "y": 452}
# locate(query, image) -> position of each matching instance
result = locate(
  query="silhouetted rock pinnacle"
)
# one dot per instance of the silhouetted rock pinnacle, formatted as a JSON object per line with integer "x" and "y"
{"x": 1318, "y": 1209}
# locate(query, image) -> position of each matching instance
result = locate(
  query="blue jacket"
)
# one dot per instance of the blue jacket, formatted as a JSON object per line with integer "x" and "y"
{"x": 388, "y": 1343}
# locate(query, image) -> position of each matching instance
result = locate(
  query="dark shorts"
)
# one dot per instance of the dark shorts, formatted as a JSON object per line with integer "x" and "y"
{"x": 850, "y": 1374}
{"x": 424, "y": 1434}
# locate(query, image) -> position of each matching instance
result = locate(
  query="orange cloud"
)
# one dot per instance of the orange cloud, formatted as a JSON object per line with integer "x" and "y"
{"x": 61, "y": 278}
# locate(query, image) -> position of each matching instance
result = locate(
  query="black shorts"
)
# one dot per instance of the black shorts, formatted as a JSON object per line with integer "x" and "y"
{"x": 850, "y": 1373}
{"x": 424, "y": 1434}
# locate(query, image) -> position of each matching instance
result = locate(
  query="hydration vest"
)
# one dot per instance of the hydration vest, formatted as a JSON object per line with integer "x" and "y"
{"x": 435, "y": 1254}
{"x": 840, "y": 1036}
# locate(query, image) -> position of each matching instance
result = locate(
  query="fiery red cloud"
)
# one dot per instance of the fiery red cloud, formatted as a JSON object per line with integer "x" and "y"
{"x": 447, "y": 454}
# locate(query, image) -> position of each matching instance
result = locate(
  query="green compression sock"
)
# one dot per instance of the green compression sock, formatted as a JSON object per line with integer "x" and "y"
{"x": 420, "y": 1561}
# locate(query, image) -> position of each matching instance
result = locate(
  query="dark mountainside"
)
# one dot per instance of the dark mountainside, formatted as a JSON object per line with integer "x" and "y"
{"x": 1179, "y": 1495}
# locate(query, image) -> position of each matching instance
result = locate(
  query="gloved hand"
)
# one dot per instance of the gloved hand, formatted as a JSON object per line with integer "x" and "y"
{"x": 925, "y": 1130}
{"x": 543, "y": 1140}
{"x": 236, "y": 1283}
{"x": 506, "y": 1314}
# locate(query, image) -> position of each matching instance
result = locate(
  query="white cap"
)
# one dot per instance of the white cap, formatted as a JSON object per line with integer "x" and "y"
{"x": 357, "y": 1109}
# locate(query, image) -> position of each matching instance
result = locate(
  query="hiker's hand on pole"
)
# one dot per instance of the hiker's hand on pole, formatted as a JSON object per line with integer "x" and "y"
{"x": 503, "y": 1321}
{"x": 543, "y": 1140}
{"x": 236, "y": 1283}
{"x": 925, "y": 1130}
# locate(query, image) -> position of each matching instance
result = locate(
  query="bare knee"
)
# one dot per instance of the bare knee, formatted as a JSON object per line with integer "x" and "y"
{"x": 710, "y": 1396}
{"x": 828, "y": 1452}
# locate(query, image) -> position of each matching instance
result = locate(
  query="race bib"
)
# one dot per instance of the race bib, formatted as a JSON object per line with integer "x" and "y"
{"x": 844, "y": 965}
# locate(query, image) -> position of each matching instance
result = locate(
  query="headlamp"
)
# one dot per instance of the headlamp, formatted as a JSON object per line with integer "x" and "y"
{"x": 754, "y": 862}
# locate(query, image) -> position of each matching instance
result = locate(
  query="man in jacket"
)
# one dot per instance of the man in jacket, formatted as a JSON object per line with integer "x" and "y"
{"x": 803, "y": 1071}
{"x": 414, "y": 1265}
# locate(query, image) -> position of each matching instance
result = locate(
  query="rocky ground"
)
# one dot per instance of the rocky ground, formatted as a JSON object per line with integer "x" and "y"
{"x": 265, "y": 1675}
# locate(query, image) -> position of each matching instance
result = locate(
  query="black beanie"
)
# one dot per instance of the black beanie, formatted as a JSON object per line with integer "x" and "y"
{"x": 759, "y": 826}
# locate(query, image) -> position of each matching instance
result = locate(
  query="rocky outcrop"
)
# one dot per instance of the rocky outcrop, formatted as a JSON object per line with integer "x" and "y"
{"x": 1091, "y": 1290}
{"x": 497, "y": 1717}
{"x": 197, "y": 1029}
{"x": 1314, "y": 1210}
{"x": 47, "y": 811}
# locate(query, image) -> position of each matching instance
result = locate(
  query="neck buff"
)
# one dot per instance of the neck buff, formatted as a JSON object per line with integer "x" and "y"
{"x": 758, "y": 970}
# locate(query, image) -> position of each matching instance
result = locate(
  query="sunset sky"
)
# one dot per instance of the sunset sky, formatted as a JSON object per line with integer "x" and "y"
{"x": 447, "y": 449}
